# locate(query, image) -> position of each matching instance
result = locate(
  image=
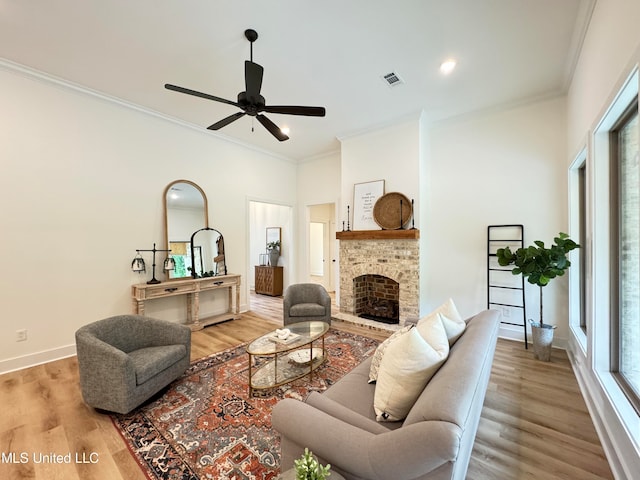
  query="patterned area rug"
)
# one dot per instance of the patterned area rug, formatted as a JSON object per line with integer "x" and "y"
{"x": 206, "y": 426}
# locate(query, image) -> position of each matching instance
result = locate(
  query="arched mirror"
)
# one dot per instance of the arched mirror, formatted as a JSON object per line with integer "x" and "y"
{"x": 185, "y": 211}
{"x": 208, "y": 258}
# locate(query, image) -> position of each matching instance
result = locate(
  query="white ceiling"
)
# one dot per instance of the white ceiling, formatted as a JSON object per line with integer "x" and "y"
{"x": 329, "y": 53}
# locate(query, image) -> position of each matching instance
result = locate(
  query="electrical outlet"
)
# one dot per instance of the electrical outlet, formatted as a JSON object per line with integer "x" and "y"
{"x": 506, "y": 312}
{"x": 21, "y": 335}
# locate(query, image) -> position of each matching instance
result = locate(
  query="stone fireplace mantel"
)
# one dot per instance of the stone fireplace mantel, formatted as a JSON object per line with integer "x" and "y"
{"x": 412, "y": 234}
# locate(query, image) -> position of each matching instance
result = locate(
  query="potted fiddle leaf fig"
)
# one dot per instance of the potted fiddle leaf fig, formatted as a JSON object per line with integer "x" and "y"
{"x": 539, "y": 265}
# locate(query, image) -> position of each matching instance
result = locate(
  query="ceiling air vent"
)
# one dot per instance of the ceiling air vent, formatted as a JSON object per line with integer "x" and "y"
{"x": 393, "y": 79}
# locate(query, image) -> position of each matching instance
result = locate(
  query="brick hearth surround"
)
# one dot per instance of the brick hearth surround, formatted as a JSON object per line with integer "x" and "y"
{"x": 398, "y": 259}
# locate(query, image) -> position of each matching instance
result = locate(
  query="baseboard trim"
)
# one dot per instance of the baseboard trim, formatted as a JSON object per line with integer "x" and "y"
{"x": 618, "y": 447}
{"x": 517, "y": 335}
{"x": 38, "y": 358}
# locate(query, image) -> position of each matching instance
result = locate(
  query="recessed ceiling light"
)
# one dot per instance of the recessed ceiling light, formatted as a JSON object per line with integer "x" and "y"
{"x": 284, "y": 130}
{"x": 447, "y": 66}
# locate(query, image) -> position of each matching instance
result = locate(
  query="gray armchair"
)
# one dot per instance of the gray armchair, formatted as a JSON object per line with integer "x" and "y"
{"x": 124, "y": 360}
{"x": 304, "y": 302}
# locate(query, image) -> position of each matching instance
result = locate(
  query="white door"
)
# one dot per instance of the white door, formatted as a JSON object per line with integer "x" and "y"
{"x": 316, "y": 252}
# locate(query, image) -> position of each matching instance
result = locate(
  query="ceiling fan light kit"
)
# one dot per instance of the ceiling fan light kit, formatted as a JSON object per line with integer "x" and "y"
{"x": 251, "y": 102}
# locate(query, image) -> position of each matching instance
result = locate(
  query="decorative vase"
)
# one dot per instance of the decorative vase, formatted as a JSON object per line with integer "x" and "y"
{"x": 542, "y": 340}
{"x": 274, "y": 255}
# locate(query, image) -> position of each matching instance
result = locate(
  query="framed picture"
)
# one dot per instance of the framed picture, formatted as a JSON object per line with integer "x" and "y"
{"x": 364, "y": 198}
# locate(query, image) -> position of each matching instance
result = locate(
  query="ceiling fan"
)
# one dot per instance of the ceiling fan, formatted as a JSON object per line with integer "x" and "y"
{"x": 250, "y": 101}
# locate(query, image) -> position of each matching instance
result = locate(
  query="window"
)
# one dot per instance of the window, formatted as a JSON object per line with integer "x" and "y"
{"x": 581, "y": 252}
{"x": 582, "y": 235}
{"x": 578, "y": 228}
{"x": 625, "y": 325}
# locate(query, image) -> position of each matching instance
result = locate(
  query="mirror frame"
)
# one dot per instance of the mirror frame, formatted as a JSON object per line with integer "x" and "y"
{"x": 273, "y": 234}
{"x": 193, "y": 256}
{"x": 166, "y": 216}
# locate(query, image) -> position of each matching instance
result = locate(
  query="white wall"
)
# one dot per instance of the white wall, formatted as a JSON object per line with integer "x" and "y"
{"x": 318, "y": 183}
{"x": 606, "y": 54}
{"x": 495, "y": 168}
{"x": 393, "y": 154}
{"x": 610, "y": 52}
{"x": 81, "y": 189}
{"x": 465, "y": 174}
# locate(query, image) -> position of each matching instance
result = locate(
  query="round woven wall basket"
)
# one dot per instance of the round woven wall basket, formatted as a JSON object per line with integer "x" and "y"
{"x": 392, "y": 211}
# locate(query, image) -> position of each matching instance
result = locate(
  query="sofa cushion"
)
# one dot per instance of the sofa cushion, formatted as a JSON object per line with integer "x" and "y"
{"x": 379, "y": 353}
{"x": 453, "y": 323}
{"x": 150, "y": 361}
{"x": 407, "y": 366}
{"x": 306, "y": 310}
{"x": 338, "y": 410}
{"x": 354, "y": 392}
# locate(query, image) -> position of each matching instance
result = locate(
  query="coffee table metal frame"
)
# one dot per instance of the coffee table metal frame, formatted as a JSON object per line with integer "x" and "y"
{"x": 278, "y": 369}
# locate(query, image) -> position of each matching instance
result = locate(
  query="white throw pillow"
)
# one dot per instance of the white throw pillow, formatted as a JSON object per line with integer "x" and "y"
{"x": 379, "y": 353}
{"x": 407, "y": 366}
{"x": 451, "y": 319}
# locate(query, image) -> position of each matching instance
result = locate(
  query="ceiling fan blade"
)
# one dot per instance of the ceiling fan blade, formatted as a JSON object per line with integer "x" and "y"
{"x": 226, "y": 121}
{"x": 296, "y": 110}
{"x": 253, "y": 80}
{"x": 272, "y": 127}
{"x": 188, "y": 91}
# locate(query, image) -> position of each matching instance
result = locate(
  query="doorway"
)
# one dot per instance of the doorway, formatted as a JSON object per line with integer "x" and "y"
{"x": 263, "y": 216}
{"x": 321, "y": 248}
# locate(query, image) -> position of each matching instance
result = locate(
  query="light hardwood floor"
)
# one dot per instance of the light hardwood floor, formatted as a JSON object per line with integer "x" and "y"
{"x": 534, "y": 423}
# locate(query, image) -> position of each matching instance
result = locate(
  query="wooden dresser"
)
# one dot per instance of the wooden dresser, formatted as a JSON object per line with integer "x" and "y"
{"x": 192, "y": 288}
{"x": 269, "y": 280}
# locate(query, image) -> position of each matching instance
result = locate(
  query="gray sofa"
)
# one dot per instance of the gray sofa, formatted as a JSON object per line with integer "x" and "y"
{"x": 434, "y": 441}
{"x": 124, "y": 360}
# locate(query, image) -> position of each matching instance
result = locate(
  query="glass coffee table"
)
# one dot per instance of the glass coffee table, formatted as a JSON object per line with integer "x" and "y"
{"x": 274, "y": 361}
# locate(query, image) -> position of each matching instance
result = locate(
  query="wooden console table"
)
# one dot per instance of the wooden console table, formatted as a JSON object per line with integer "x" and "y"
{"x": 192, "y": 288}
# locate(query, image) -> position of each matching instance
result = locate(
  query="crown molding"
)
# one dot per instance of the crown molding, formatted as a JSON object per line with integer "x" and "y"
{"x": 32, "y": 73}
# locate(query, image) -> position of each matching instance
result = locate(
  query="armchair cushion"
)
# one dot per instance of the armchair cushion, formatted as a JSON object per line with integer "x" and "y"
{"x": 150, "y": 361}
{"x": 307, "y": 309}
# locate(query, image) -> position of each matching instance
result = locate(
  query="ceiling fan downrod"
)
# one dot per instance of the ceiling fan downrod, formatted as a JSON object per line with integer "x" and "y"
{"x": 252, "y": 36}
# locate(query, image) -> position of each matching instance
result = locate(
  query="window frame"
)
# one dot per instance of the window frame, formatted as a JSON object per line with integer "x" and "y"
{"x": 579, "y": 211}
{"x": 630, "y": 112}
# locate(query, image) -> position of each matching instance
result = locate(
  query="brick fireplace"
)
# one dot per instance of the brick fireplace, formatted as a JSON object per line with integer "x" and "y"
{"x": 390, "y": 259}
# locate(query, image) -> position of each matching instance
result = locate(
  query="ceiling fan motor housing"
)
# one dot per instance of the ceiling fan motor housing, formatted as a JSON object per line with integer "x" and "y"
{"x": 251, "y": 107}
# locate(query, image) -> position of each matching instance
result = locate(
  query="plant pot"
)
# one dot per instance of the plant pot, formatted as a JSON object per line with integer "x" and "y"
{"x": 274, "y": 255}
{"x": 542, "y": 340}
